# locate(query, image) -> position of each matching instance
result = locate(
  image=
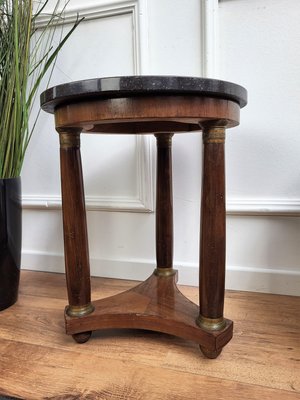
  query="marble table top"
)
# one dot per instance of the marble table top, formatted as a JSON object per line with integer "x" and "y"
{"x": 128, "y": 86}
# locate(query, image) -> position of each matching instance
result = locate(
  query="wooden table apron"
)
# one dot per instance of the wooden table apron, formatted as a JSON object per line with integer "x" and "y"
{"x": 155, "y": 304}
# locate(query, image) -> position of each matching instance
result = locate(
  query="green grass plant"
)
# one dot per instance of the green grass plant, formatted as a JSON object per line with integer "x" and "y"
{"x": 27, "y": 52}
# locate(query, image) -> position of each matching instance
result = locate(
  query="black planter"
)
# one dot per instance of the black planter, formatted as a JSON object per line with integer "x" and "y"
{"x": 10, "y": 240}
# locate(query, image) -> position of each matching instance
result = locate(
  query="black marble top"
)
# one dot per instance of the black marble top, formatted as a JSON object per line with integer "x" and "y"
{"x": 128, "y": 86}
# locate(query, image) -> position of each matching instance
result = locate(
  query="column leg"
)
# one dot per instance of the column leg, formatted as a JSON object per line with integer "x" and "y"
{"x": 164, "y": 206}
{"x": 75, "y": 229}
{"x": 213, "y": 231}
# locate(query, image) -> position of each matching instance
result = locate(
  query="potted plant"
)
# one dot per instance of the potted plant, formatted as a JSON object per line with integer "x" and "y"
{"x": 26, "y": 54}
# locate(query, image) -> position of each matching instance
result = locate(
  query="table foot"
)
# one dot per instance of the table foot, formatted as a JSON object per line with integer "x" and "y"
{"x": 157, "y": 305}
{"x": 210, "y": 353}
{"x": 82, "y": 337}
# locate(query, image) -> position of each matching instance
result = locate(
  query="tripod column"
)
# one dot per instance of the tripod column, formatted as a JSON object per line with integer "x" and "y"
{"x": 74, "y": 223}
{"x": 213, "y": 228}
{"x": 164, "y": 206}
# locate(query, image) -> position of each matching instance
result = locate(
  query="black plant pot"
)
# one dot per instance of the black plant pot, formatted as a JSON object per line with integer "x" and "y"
{"x": 10, "y": 240}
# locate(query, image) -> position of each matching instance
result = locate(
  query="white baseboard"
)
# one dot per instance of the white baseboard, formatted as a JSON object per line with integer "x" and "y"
{"x": 276, "y": 281}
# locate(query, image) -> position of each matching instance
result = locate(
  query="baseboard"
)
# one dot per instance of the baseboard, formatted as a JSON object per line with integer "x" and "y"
{"x": 276, "y": 281}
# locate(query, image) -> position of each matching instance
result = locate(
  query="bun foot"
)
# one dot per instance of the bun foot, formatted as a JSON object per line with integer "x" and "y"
{"x": 82, "y": 337}
{"x": 210, "y": 353}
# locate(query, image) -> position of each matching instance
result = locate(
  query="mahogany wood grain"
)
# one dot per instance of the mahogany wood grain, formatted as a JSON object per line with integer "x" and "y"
{"x": 164, "y": 202}
{"x": 155, "y": 304}
{"x": 213, "y": 224}
{"x": 74, "y": 219}
{"x": 184, "y": 110}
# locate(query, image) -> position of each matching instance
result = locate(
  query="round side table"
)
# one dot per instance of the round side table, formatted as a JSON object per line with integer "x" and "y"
{"x": 163, "y": 106}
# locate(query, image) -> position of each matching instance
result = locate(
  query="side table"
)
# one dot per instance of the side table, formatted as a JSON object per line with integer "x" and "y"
{"x": 163, "y": 106}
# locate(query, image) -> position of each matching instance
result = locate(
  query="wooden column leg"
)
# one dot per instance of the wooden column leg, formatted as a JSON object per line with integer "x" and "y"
{"x": 75, "y": 229}
{"x": 213, "y": 231}
{"x": 164, "y": 206}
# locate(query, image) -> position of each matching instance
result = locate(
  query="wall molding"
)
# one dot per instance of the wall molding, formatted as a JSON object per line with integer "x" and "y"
{"x": 209, "y": 38}
{"x": 277, "y": 281}
{"x": 144, "y": 201}
{"x": 209, "y": 65}
{"x": 139, "y": 13}
{"x": 264, "y": 207}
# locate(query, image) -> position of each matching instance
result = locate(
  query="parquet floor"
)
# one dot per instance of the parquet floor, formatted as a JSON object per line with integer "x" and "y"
{"x": 38, "y": 361}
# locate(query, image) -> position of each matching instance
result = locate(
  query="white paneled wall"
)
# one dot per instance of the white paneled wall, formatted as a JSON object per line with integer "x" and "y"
{"x": 249, "y": 42}
{"x": 259, "y": 46}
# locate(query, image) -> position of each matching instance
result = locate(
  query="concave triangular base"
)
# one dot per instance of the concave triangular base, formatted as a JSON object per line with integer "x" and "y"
{"x": 156, "y": 305}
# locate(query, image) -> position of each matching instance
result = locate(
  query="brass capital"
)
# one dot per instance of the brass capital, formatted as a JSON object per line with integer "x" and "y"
{"x": 80, "y": 311}
{"x": 211, "y": 324}
{"x": 214, "y": 135}
{"x": 68, "y": 140}
{"x": 214, "y": 130}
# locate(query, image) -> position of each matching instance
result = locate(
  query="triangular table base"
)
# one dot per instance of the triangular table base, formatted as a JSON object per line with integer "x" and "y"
{"x": 156, "y": 305}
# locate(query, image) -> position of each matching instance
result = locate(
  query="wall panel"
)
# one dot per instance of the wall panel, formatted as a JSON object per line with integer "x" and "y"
{"x": 248, "y": 42}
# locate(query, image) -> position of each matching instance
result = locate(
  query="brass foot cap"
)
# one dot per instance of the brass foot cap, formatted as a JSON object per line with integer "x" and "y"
{"x": 80, "y": 311}
{"x": 165, "y": 271}
{"x": 211, "y": 324}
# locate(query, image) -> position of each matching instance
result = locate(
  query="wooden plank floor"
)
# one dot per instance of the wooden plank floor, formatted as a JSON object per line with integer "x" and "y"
{"x": 38, "y": 361}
